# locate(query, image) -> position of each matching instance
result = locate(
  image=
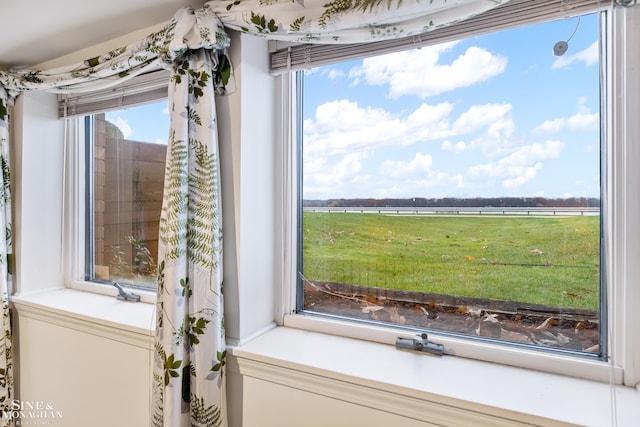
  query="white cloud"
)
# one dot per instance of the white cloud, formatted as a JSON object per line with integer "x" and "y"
{"x": 344, "y": 115}
{"x": 520, "y": 166}
{"x": 322, "y": 178}
{"x": 479, "y": 116}
{"x": 334, "y": 73}
{"x": 550, "y": 126}
{"x": 583, "y": 120}
{"x": 123, "y": 125}
{"x": 458, "y": 147}
{"x": 418, "y": 72}
{"x": 588, "y": 56}
{"x": 419, "y": 165}
{"x": 342, "y": 134}
{"x": 459, "y": 181}
{"x": 427, "y": 182}
{"x": 447, "y": 146}
{"x": 343, "y": 126}
{"x": 430, "y": 121}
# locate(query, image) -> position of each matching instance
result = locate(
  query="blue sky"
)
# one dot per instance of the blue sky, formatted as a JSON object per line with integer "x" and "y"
{"x": 489, "y": 116}
{"x": 146, "y": 123}
{"x": 496, "y": 115}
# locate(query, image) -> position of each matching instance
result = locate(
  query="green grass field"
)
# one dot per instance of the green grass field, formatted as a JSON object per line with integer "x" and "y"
{"x": 541, "y": 260}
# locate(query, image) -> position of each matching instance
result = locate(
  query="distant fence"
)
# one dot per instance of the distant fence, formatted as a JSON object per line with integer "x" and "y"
{"x": 461, "y": 210}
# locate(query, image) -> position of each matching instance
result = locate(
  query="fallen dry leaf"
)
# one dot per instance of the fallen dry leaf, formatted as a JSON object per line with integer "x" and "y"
{"x": 593, "y": 349}
{"x": 492, "y": 318}
{"x": 548, "y": 323}
{"x": 370, "y": 308}
{"x": 515, "y": 336}
{"x": 395, "y": 317}
{"x": 370, "y": 298}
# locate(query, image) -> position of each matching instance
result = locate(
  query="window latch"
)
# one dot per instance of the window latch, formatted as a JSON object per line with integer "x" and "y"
{"x": 126, "y": 295}
{"x": 420, "y": 343}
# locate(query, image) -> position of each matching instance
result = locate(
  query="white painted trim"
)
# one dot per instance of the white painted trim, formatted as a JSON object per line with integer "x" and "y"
{"x": 497, "y": 352}
{"x": 426, "y": 410}
{"x": 234, "y": 342}
{"x": 625, "y": 292}
{"x": 146, "y": 295}
{"x": 441, "y": 390}
{"x": 126, "y": 322}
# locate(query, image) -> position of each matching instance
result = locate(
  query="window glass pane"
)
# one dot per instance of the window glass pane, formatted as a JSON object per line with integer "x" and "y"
{"x": 127, "y": 172}
{"x": 457, "y": 187}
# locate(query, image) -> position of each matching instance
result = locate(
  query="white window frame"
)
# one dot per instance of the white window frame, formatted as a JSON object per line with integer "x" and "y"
{"x": 137, "y": 91}
{"x": 622, "y": 206}
{"x": 75, "y": 206}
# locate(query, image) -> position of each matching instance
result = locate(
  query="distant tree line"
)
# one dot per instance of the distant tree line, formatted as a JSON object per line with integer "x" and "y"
{"x": 471, "y": 202}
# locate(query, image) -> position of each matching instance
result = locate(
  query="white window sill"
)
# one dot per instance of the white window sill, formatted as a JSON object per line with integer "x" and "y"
{"x": 102, "y": 315}
{"x": 589, "y": 368}
{"x": 430, "y": 388}
{"x": 146, "y": 295}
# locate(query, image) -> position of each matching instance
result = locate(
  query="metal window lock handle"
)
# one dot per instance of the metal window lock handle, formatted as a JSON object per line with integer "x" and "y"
{"x": 126, "y": 295}
{"x": 420, "y": 343}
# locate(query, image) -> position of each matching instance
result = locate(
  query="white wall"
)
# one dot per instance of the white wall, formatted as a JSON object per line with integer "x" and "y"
{"x": 246, "y": 122}
{"x": 37, "y": 192}
{"x": 91, "y": 380}
{"x": 93, "y": 370}
{"x": 273, "y": 405}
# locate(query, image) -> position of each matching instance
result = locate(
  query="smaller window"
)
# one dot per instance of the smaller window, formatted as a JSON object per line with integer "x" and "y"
{"x": 125, "y": 158}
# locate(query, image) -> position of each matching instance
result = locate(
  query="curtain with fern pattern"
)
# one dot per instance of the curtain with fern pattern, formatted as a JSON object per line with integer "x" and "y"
{"x": 6, "y": 353}
{"x": 344, "y": 21}
{"x": 189, "y": 385}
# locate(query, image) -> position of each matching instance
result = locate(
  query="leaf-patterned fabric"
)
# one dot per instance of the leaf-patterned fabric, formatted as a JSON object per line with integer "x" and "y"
{"x": 190, "y": 351}
{"x": 344, "y": 21}
{"x": 6, "y": 354}
{"x": 160, "y": 49}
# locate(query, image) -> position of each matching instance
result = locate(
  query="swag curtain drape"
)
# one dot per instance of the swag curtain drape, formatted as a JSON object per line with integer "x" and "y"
{"x": 188, "y": 386}
{"x": 344, "y": 21}
{"x": 6, "y": 352}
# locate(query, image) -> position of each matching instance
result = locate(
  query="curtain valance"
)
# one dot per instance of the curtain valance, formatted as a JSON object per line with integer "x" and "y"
{"x": 344, "y": 21}
{"x": 188, "y": 29}
{"x": 309, "y": 21}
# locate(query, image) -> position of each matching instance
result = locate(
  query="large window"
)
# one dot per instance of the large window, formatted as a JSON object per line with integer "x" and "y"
{"x": 457, "y": 188}
{"x": 125, "y": 164}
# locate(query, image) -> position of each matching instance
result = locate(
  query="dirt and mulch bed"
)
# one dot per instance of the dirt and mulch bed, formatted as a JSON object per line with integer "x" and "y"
{"x": 506, "y": 320}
